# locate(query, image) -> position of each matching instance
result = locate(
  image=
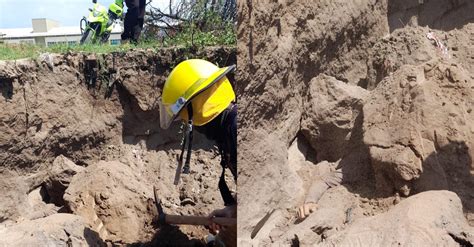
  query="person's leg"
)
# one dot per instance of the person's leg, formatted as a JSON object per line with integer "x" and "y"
{"x": 131, "y": 19}
{"x": 137, "y": 29}
{"x": 141, "y": 13}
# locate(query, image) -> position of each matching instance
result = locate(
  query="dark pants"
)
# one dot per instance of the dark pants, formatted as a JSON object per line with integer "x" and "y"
{"x": 134, "y": 19}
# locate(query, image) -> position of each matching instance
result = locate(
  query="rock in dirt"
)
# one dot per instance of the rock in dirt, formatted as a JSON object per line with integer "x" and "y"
{"x": 112, "y": 199}
{"x": 39, "y": 207}
{"x": 59, "y": 177}
{"x": 23, "y": 197}
{"x": 14, "y": 193}
{"x": 418, "y": 127}
{"x": 426, "y": 219}
{"x": 270, "y": 158}
{"x": 330, "y": 111}
{"x": 54, "y": 230}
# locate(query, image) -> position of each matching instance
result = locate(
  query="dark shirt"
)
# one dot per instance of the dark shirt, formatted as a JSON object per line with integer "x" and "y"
{"x": 223, "y": 130}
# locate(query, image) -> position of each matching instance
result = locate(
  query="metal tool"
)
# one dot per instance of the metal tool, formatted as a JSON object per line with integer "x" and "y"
{"x": 260, "y": 224}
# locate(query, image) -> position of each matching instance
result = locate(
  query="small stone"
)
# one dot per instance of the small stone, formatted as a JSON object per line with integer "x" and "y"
{"x": 396, "y": 200}
{"x": 405, "y": 190}
{"x": 411, "y": 78}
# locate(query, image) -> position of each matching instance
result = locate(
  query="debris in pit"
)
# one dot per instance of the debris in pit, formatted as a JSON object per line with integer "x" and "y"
{"x": 188, "y": 201}
{"x": 321, "y": 230}
{"x": 295, "y": 242}
{"x": 441, "y": 47}
{"x": 90, "y": 71}
{"x": 261, "y": 223}
{"x": 113, "y": 76}
{"x": 6, "y": 87}
{"x": 348, "y": 219}
{"x": 47, "y": 58}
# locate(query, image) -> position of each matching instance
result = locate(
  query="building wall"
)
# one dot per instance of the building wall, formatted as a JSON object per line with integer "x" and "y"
{"x": 19, "y": 41}
{"x": 114, "y": 39}
{"x": 40, "y": 41}
{"x": 43, "y": 25}
{"x": 71, "y": 40}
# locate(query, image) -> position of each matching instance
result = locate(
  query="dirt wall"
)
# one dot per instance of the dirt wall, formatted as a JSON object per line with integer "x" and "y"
{"x": 341, "y": 84}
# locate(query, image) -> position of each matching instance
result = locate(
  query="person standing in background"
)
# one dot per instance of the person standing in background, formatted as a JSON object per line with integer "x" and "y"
{"x": 134, "y": 19}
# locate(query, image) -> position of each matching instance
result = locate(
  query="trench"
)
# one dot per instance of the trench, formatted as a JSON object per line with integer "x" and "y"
{"x": 93, "y": 111}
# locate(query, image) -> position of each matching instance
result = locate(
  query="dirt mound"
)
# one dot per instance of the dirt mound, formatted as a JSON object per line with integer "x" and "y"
{"x": 442, "y": 14}
{"x": 59, "y": 177}
{"x": 384, "y": 104}
{"x": 331, "y": 109}
{"x": 418, "y": 129}
{"x": 55, "y": 230}
{"x": 69, "y": 143}
{"x": 109, "y": 195}
{"x": 428, "y": 218}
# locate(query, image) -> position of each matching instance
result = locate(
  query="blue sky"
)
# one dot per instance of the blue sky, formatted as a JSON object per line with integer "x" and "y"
{"x": 18, "y": 13}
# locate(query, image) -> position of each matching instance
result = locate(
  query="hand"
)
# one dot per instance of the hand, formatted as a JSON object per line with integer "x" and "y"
{"x": 227, "y": 212}
{"x": 305, "y": 210}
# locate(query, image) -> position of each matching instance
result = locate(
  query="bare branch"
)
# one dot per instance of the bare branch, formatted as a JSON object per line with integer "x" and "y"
{"x": 203, "y": 15}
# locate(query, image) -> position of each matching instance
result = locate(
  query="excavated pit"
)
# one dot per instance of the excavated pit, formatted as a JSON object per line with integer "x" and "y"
{"x": 356, "y": 85}
{"x": 80, "y": 135}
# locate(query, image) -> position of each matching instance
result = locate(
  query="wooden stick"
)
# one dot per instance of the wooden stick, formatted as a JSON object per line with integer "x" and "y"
{"x": 199, "y": 220}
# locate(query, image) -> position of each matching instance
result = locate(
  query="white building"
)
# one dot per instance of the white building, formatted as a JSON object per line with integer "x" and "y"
{"x": 48, "y": 32}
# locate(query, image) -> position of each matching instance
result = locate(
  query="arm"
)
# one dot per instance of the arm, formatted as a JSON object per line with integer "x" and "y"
{"x": 318, "y": 188}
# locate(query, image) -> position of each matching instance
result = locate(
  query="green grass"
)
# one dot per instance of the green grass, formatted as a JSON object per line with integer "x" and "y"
{"x": 199, "y": 39}
{"x": 189, "y": 37}
{"x": 18, "y": 51}
{"x": 10, "y": 52}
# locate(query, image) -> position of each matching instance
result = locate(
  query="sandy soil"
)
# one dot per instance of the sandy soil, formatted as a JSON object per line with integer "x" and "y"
{"x": 357, "y": 85}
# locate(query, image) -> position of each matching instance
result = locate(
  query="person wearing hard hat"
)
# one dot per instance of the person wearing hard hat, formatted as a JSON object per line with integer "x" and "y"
{"x": 200, "y": 94}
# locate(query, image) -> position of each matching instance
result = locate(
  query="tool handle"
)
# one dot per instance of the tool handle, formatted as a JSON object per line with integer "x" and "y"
{"x": 223, "y": 221}
{"x": 177, "y": 175}
{"x": 199, "y": 220}
{"x": 179, "y": 169}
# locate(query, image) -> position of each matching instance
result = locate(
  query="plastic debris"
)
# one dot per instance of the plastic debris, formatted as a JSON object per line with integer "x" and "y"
{"x": 47, "y": 58}
{"x": 442, "y": 48}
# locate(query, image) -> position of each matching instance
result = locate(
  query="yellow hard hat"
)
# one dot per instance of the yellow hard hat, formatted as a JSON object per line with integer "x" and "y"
{"x": 200, "y": 83}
